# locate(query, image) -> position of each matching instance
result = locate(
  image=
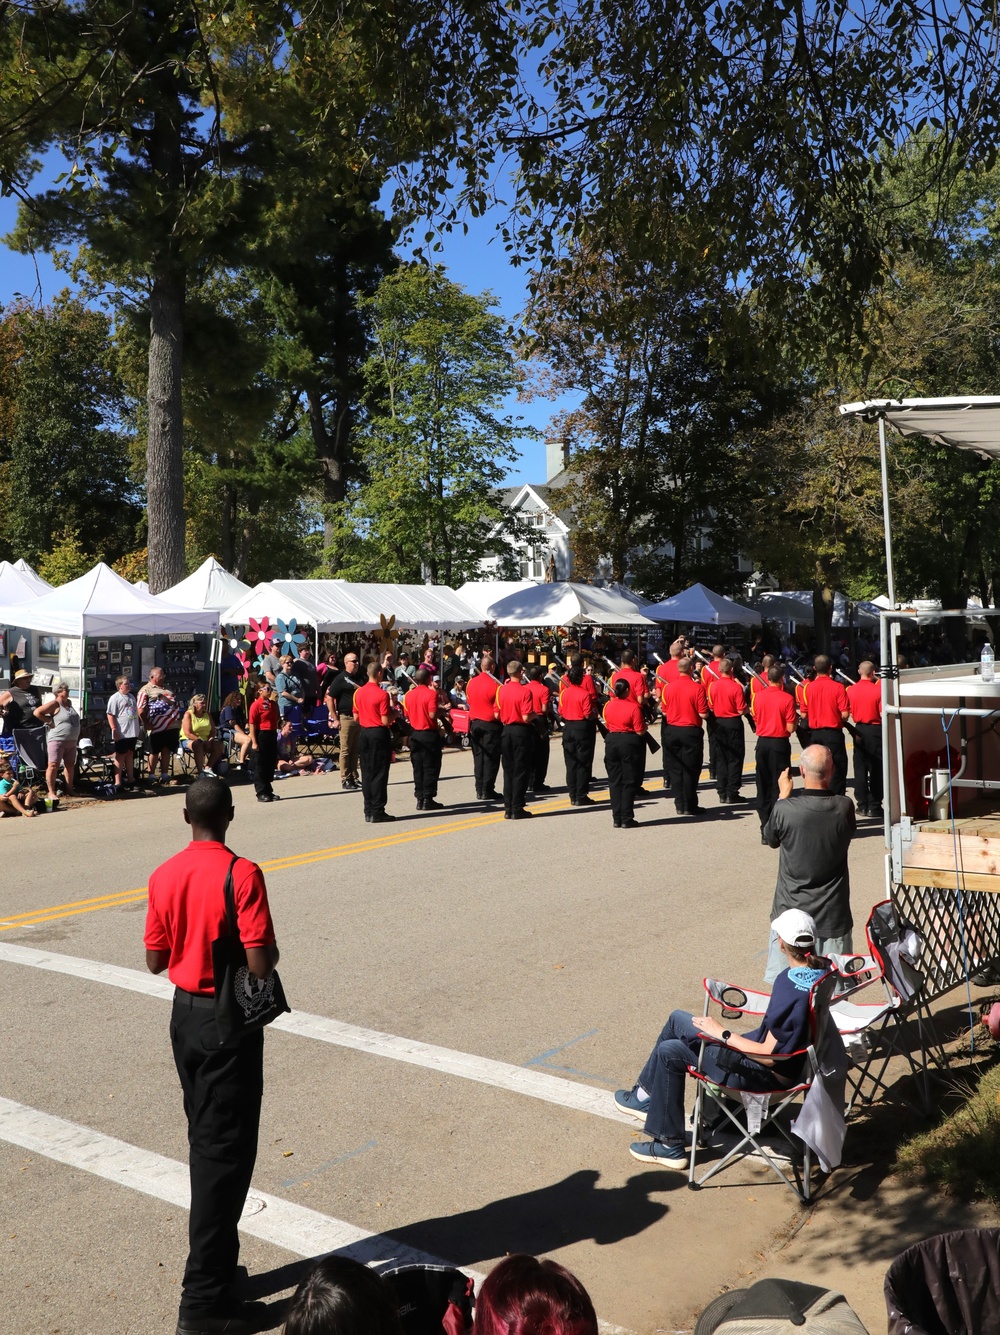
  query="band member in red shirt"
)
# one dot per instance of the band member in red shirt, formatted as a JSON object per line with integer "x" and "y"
{"x": 578, "y": 714}
{"x": 624, "y": 753}
{"x": 728, "y": 705}
{"x": 263, "y": 722}
{"x": 421, "y": 704}
{"x": 709, "y": 673}
{"x": 485, "y": 729}
{"x": 802, "y": 727}
{"x": 638, "y": 690}
{"x": 684, "y": 711}
{"x": 516, "y": 709}
{"x": 827, "y": 710}
{"x": 667, "y": 672}
{"x": 774, "y": 715}
{"x": 865, "y": 700}
{"x": 541, "y": 698}
{"x": 374, "y": 714}
{"x": 222, "y": 1085}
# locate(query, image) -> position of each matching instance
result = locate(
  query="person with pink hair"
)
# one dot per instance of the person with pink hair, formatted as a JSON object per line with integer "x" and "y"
{"x": 524, "y": 1296}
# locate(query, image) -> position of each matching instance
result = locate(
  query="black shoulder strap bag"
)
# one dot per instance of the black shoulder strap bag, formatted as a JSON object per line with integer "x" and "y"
{"x": 243, "y": 1003}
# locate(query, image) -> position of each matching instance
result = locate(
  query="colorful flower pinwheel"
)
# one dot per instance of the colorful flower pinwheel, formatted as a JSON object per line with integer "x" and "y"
{"x": 260, "y": 635}
{"x": 233, "y": 639}
{"x": 290, "y": 640}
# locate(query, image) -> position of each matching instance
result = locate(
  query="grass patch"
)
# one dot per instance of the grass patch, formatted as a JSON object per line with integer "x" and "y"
{"x": 961, "y": 1156}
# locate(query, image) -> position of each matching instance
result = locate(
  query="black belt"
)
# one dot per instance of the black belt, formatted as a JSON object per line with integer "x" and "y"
{"x": 195, "y": 1000}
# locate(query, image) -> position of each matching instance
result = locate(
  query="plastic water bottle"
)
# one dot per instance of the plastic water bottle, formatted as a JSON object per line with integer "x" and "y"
{"x": 986, "y": 662}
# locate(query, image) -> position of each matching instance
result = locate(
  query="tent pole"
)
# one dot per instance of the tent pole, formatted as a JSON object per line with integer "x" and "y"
{"x": 884, "y": 463}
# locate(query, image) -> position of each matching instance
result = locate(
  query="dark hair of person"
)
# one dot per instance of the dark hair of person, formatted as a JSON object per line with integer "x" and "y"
{"x": 628, "y": 658}
{"x": 576, "y": 661}
{"x": 776, "y": 673}
{"x": 234, "y": 700}
{"x": 622, "y": 690}
{"x": 536, "y": 672}
{"x": 208, "y": 802}
{"x": 342, "y": 1297}
{"x": 422, "y": 676}
{"x": 524, "y": 1296}
{"x": 575, "y": 674}
{"x": 822, "y": 664}
{"x": 374, "y": 671}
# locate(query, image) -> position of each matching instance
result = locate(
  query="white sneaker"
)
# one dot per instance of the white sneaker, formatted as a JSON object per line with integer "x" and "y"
{"x": 210, "y": 772}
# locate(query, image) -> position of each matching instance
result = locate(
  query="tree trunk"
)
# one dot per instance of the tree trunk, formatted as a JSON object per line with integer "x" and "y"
{"x": 165, "y": 442}
{"x": 823, "y": 598}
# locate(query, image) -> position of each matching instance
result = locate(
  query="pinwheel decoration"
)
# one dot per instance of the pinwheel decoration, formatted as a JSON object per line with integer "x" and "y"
{"x": 260, "y": 635}
{"x": 388, "y": 633}
{"x": 290, "y": 637}
{"x": 233, "y": 642}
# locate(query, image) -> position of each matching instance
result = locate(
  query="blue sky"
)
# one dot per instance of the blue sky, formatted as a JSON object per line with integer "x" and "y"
{"x": 475, "y": 259}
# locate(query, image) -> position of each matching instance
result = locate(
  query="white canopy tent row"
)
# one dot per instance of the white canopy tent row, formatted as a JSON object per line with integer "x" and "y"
{"x": 210, "y": 586}
{"x": 558, "y": 604}
{"x": 699, "y": 606}
{"x": 19, "y": 583}
{"x": 795, "y": 606}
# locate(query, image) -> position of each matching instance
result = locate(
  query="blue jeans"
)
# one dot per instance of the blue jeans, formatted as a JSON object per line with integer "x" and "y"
{"x": 663, "y": 1076}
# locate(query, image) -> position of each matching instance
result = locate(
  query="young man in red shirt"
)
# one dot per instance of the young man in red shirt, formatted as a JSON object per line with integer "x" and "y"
{"x": 374, "y": 714}
{"x": 684, "y": 711}
{"x": 222, "y": 1086}
{"x": 865, "y": 700}
{"x": 485, "y": 729}
{"x": 774, "y": 716}
{"x": 638, "y": 690}
{"x": 667, "y": 672}
{"x": 516, "y": 710}
{"x": 541, "y": 699}
{"x": 578, "y": 715}
{"x": 827, "y": 710}
{"x": 264, "y": 722}
{"x": 728, "y": 705}
{"x": 420, "y": 704}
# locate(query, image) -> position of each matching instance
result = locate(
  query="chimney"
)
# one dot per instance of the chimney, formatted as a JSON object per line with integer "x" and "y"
{"x": 556, "y": 455}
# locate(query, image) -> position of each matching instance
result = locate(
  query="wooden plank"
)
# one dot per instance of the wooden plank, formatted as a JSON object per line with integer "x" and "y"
{"x": 976, "y": 854}
{"x": 937, "y": 878}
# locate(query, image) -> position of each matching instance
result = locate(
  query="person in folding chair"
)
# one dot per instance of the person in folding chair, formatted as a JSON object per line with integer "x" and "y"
{"x": 746, "y": 1061}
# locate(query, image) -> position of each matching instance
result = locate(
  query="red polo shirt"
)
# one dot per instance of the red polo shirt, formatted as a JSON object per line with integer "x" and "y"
{"x": 725, "y": 697}
{"x": 865, "y": 699}
{"x": 481, "y": 694}
{"x": 187, "y": 911}
{"x": 623, "y": 716}
{"x": 575, "y": 702}
{"x": 636, "y": 682}
{"x": 826, "y": 702}
{"x": 666, "y": 673}
{"x": 264, "y": 716}
{"x": 419, "y": 704}
{"x": 590, "y": 685}
{"x": 684, "y": 703}
{"x": 371, "y": 705}
{"x": 541, "y": 696}
{"x": 710, "y": 672}
{"x": 514, "y": 702}
{"x": 773, "y": 711}
{"x": 800, "y": 699}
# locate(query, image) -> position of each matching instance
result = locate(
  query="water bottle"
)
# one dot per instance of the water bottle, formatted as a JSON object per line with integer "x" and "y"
{"x": 986, "y": 662}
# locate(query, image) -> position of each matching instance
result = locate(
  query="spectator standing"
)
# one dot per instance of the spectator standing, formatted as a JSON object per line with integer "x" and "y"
{"x": 126, "y": 729}
{"x": 485, "y": 730}
{"x": 685, "y": 708}
{"x": 404, "y": 673}
{"x": 774, "y": 720}
{"x": 422, "y": 708}
{"x": 541, "y": 700}
{"x": 304, "y": 670}
{"x": 287, "y": 687}
{"x": 865, "y": 700}
{"x": 813, "y": 829}
{"x": 231, "y": 672}
{"x": 326, "y": 669}
{"x": 271, "y": 665}
{"x": 515, "y": 707}
{"x": 373, "y": 713}
{"x": 827, "y": 710}
{"x": 264, "y": 721}
{"x": 340, "y": 705}
{"x": 222, "y": 1086}
{"x": 19, "y": 702}
{"x": 160, "y": 715}
{"x": 727, "y": 704}
{"x": 63, "y": 723}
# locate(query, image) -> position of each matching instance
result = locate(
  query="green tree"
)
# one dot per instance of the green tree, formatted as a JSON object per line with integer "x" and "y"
{"x": 64, "y": 458}
{"x": 435, "y": 445}
{"x": 66, "y": 560}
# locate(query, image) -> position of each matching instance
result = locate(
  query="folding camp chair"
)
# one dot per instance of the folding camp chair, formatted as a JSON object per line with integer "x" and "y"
{"x": 735, "y": 1002}
{"x": 319, "y": 737}
{"x": 8, "y": 748}
{"x": 865, "y": 1026}
{"x": 33, "y": 752}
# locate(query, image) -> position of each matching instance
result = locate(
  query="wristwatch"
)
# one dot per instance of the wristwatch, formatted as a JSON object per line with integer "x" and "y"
{"x": 726, "y": 1035}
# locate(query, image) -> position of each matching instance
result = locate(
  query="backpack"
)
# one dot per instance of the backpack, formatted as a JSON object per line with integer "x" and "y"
{"x": 432, "y": 1299}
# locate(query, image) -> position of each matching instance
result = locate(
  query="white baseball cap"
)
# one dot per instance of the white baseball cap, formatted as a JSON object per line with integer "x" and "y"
{"x": 795, "y": 928}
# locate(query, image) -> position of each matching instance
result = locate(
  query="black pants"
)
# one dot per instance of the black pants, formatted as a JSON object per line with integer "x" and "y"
{"x": 834, "y": 739}
{"x": 265, "y": 762}
{"x": 774, "y": 755}
{"x": 517, "y": 749}
{"x": 578, "y": 738}
{"x": 624, "y": 757}
{"x": 222, "y": 1092}
{"x": 868, "y": 765}
{"x": 485, "y": 739}
{"x": 425, "y": 757}
{"x": 540, "y": 759}
{"x": 375, "y": 754}
{"x": 730, "y": 751}
{"x": 683, "y": 749}
{"x": 713, "y": 749}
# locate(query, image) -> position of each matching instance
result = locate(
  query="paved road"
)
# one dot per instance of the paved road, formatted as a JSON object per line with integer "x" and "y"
{"x": 467, "y": 995}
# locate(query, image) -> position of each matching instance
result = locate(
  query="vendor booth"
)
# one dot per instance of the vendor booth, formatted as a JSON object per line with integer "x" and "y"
{"x": 565, "y": 604}
{"x": 19, "y": 586}
{"x": 699, "y": 606}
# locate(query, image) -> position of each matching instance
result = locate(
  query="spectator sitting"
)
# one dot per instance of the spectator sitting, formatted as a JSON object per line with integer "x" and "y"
{"x": 234, "y": 715}
{"x": 290, "y": 759}
{"x": 123, "y": 720}
{"x": 63, "y": 723}
{"x": 457, "y": 694}
{"x": 523, "y": 1295}
{"x": 748, "y": 1061}
{"x": 342, "y": 1297}
{"x": 198, "y": 732}
{"x": 14, "y": 799}
{"x": 288, "y": 687}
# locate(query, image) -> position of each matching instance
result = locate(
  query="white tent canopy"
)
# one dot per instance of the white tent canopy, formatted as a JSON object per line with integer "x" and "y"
{"x": 32, "y": 576}
{"x": 334, "y": 605}
{"x": 19, "y": 583}
{"x": 699, "y": 606}
{"x": 481, "y": 594}
{"x": 797, "y": 605}
{"x": 210, "y": 586}
{"x": 966, "y": 423}
{"x": 563, "y": 604}
{"x": 102, "y": 603}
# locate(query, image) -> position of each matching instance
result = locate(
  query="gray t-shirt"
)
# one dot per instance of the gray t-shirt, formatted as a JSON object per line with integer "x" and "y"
{"x": 271, "y": 663}
{"x": 65, "y": 725}
{"x": 124, "y": 709}
{"x": 813, "y": 830}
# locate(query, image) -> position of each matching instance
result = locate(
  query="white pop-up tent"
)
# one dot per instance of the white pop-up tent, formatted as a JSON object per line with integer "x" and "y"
{"x": 796, "y": 605}
{"x": 699, "y": 606}
{"x": 480, "y": 594}
{"x": 210, "y": 586}
{"x": 19, "y": 583}
{"x": 336, "y": 606}
{"x": 564, "y": 604}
